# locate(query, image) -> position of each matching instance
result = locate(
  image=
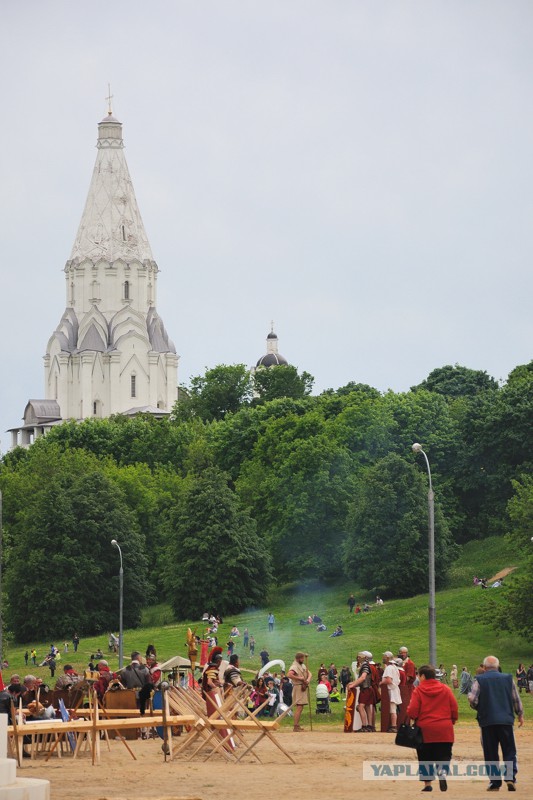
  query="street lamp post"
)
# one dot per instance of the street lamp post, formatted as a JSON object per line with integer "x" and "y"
{"x": 1, "y": 554}
{"x": 121, "y": 604}
{"x": 417, "y": 448}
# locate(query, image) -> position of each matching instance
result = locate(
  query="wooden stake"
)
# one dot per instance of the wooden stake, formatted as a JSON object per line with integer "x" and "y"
{"x": 309, "y": 695}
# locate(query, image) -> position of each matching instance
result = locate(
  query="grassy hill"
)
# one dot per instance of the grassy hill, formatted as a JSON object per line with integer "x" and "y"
{"x": 462, "y": 638}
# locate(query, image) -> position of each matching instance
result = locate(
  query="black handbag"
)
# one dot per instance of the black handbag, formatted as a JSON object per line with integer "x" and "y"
{"x": 409, "y": 736}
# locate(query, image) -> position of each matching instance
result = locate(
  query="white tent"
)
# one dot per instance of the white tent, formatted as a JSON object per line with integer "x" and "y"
{"x": 177, "y": 662}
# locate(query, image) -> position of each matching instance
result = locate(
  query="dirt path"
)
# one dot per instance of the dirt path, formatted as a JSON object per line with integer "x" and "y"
{"x": 329, "y": 766}
{"x": 503, "y": 573}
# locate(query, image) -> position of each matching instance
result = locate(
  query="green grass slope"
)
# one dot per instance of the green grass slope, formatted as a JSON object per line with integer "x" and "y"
{"x": 461, "y": 638}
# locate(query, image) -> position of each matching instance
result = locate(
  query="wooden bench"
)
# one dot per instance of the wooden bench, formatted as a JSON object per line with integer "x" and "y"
{"x": 90, "y": 728}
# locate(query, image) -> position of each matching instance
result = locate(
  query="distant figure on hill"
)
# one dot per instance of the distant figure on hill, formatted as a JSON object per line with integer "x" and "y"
{"x": 345, "y": 678}
{"x": 521, "y": 678}
{"x": 264, "y": 656}
{"x": 530, "y": 677}
{"x": 453, "y": 677}
{"x": 351, "y": 603}
{"x": 271, "y": 621}
{"x": 466, "y": 681}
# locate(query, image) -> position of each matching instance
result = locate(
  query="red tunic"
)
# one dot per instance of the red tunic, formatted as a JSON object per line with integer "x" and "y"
{"x": 410, "y": 670}
{"x": 434, "y": 707}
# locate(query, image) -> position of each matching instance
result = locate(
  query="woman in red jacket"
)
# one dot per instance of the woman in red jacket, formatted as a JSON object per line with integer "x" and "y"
{"x": 434, "y": 709}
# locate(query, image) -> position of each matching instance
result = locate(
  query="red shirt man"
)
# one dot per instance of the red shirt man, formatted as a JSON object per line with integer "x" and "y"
{"x": 408, "y": 665}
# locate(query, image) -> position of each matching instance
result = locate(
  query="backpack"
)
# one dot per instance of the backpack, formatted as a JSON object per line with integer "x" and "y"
{"x": 375, "y": 684}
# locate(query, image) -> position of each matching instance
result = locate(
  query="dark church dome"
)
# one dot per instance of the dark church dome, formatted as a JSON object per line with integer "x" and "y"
{"x": 272, "y": 360}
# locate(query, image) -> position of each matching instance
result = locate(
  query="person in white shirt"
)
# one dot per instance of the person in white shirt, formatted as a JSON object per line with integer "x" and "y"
{"x": 391, "y": 679}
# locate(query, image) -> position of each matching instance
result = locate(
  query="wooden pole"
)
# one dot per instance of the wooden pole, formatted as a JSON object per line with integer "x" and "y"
{"x": 164, "y": 708}
{"x": 309, "y": 694}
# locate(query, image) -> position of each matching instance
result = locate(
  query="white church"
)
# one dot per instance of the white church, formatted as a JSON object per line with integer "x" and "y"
{"x": 110, "y": 353}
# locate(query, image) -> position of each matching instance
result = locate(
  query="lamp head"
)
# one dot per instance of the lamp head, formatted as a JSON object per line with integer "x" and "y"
{"x": 417, "y": 447}
{"x": 114, "y": 542}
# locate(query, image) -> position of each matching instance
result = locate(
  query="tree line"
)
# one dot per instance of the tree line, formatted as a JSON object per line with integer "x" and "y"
{"x": 252, "y": 482}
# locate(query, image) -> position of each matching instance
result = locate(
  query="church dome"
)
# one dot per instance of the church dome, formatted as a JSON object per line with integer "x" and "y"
{"x": 272, "y": 360}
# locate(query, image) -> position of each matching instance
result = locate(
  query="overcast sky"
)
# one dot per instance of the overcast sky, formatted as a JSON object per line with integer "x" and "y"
{"x": 360, "y": 172}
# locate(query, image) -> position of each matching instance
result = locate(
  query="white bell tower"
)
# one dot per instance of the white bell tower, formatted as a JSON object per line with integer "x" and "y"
{"x": 111, "y": 353}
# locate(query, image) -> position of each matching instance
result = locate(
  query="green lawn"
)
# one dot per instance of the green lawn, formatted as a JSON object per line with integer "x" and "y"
{"x": 461, "y": 638}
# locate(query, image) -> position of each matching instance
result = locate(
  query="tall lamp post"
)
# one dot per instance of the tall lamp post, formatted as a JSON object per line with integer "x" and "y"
{"x": 1, "y": 554}
{"x": 417, "y": 448}
{"x": 121, "y": 605}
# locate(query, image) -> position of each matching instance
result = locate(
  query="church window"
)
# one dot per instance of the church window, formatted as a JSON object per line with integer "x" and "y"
{"x": 95, "y": 408}
{"x": 123, "y": 233}
{"x": 133, "y": 386}
{"x": 126, "y": 290}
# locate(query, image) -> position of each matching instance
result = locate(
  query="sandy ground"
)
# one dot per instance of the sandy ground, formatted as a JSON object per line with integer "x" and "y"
{"x": 329, "y": 766}
{"x": 503, "y": 573}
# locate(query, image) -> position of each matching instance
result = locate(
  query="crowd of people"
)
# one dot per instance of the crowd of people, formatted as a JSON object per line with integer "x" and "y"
{"x": 421, "y": 695}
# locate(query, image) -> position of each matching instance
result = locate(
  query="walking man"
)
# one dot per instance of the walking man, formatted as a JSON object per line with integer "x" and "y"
{"x": 301, "y": 678}
{"x": 271, "y": 621}
{"x": 496, "y": 699}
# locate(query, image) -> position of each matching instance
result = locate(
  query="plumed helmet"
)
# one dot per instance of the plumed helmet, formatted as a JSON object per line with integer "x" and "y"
{"x": 215, "y": 651}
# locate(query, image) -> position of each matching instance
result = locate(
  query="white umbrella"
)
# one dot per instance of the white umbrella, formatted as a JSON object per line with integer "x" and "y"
{"x": 271, "y": 664}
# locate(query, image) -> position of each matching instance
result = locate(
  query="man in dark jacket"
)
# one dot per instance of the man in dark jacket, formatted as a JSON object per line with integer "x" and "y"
{"x": 135, "y": 675}
{"x": 497, "y": 701}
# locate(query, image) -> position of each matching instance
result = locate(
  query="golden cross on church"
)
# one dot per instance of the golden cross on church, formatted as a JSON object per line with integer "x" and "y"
{"x": 109, "y": 98}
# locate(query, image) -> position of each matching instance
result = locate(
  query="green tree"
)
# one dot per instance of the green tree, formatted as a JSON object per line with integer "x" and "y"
{"x": 272, "y": 383}
{"x": 497, "y": 447}
{"x": 147, "y": 494}
{"x": 220, "y": 391}
{"x": 128, "y": 440}
{"x": 297, "y": 487}
{"x": 510, "y": 609}
{"x": 60, "y": 576}
{"x": 457, "y": 381}
{"x": 387, "y": 542}
{"x": 215, "y": 559}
